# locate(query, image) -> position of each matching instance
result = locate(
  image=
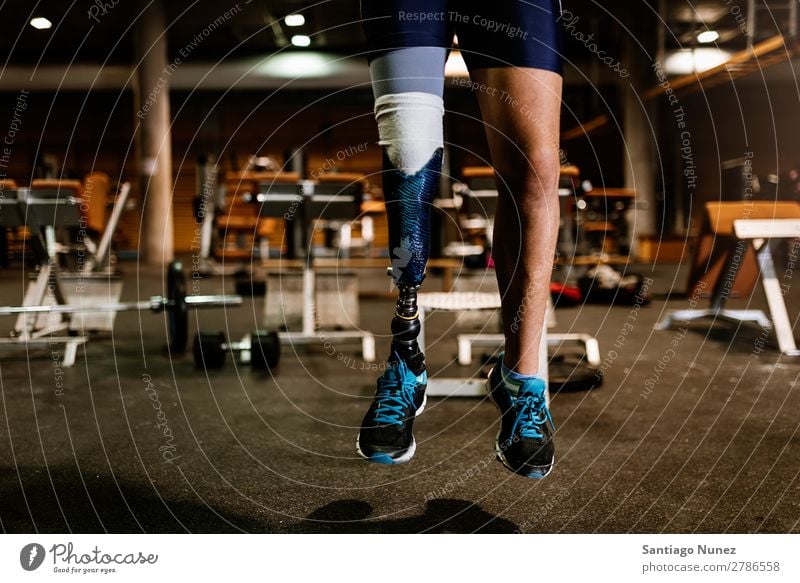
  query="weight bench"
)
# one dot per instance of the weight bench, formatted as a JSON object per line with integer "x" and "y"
{"x": 42, "y": 210}
{"x": 755, "y": 223}
{"x": 46, "y": 308}
{"x": 461, "y": 301}
{"x": 477, "y": 202}
{"x": 300, "y": 204}
{"x": 454, "y": 302}
{"x": 175, "y": 305}
{"x": 39, "y": 210}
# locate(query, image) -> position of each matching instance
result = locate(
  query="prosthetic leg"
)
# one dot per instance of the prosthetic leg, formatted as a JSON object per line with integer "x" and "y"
{"x": 386, "y": 433}
{"x": 411, "y": 133}
{"x": 408, "y": 206}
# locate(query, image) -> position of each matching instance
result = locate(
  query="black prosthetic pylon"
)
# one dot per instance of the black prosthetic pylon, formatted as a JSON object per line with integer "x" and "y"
{"x": 405, "y": 329}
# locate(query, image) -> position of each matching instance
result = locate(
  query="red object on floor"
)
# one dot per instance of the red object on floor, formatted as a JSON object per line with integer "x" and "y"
{"x": 565, "y": 295}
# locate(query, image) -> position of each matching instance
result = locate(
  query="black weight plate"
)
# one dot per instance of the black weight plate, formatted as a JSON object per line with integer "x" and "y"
{"x": 265, "y": 351}
{"x": 208, "y": 351}
{"x": 250, "y": 288}
{"x": 566, "y": 376}
{"x": 177, "y": 313}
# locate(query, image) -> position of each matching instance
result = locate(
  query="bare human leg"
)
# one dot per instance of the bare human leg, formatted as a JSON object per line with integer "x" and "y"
{"x": 521, "y": 116}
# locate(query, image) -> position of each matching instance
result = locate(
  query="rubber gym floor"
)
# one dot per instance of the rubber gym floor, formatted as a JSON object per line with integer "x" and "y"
{"x": 706, "y": 441}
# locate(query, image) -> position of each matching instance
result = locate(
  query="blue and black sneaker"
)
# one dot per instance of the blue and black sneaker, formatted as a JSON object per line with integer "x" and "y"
{"x": 524, "y": 442}
{"x": 386, "y": 433}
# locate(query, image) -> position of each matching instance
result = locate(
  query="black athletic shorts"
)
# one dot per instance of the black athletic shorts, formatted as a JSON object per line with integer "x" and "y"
{"x": 491, "y": 33}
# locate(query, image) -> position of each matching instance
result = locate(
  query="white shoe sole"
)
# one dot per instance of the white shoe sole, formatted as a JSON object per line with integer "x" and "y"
{"x": 388, "y": 460}
{"x": 422, "y": 407}
{"x": 406, "y": 457}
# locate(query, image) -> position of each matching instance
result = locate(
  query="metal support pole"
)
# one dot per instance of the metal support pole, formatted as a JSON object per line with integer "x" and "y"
{"x": 309, "y": 275}
{"x": 153, "y": 117}
{"x": 639, "y": 147}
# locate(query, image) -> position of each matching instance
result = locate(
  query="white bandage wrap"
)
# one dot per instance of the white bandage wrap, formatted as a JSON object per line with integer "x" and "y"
{"x": 410, "y": 128}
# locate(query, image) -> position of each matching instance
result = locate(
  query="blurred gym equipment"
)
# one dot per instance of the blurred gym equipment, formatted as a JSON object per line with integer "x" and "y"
{"x": 301, "y": 205}
{"x": 260, "y": 349}
{"x": 175, "y": 304}
{"x": 740, "y": 228}
{"x": 56, "y": 302}
{"x": 475, "y": 202}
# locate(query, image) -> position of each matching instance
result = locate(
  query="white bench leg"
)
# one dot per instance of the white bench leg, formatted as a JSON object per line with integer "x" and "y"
{"x": 70, "y": 352}
{"x": 777, "y": 308}
{"x": 592, "y": 351}
{"x": 368, "y": 348}
{"x": 464, "y": 351}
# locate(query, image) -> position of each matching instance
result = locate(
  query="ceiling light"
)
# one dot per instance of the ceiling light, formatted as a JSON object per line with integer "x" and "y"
{"x": 694, "y": 60}
{"x": 299, "y": 65}
{"x": 455, "y": 65}
{"x": 301, "y": 40}
{"x": 295, "y": 20}
{"x": 707, "y": 36}
{"x": 41, "y": 23}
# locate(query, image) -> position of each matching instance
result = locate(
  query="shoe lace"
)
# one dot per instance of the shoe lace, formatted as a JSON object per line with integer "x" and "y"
{"x": 532, "y": 415}
{"x": 395, "y": 394}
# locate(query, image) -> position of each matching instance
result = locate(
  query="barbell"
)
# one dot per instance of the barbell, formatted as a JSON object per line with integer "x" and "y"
{"x": 176, "y": 305}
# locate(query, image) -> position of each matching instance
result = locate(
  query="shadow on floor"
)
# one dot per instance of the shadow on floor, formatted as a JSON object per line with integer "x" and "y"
{"x": 735, "y": 338}
{"x": 66, "y": 500}
{"x": 441, "y": 515}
